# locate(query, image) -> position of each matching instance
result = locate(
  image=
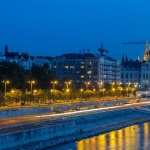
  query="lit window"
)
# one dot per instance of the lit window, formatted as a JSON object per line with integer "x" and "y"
{"x": 82, "y": 76}
{"x": 82, "y": 67}
{"x": 66, "y": 67}
{"x": 89, "y": 72}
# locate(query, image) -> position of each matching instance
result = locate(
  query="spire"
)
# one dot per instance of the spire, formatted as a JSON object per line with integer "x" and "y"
{"x": 147, "y": 51}
{"x": 102, "y": 50}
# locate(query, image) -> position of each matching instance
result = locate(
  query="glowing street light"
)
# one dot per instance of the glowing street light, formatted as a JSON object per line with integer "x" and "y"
{"x": 31, "y": 83}
{"x": 81, "y": 90}
{"x": 94, "y": 90}
{"x": 113, "y": 83}
{"x": 35, "y": 91}
{"x": 120, "y": 88}
{"x": 67, "y": 90}
{"x": 136, "y": 85}
{"x": 12, "y": 91}
{"x": 100, "y": 84}
{"x": 5, "y": 82}
{"x": 87, "y": 84}
{"x": 54, "y": 83}
{"x": 129, "y": 83}
{"x": 113, "y": 89}
{"x": 68, "y": 83}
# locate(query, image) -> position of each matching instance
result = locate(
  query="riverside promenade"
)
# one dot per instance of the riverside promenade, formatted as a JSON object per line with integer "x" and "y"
{"x": 43, "y": 131}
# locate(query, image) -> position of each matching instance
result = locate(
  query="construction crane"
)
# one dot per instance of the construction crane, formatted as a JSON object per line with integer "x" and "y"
{"x": 134, "y": 43}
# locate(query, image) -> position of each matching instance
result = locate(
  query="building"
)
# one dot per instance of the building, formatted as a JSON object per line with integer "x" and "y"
{"x": 130, "y": 70}
{"x": 145, "y": 67}
{"x": 78, "y": 67}
{"x": 108, "y": 67}
{"x": 137, "y": 71}
{"x": 25, "y": 60}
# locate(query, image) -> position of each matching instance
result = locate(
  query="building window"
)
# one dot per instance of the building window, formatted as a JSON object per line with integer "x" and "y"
{"x": 89, "y": 72}
{"x": 66, "y": 67}
{"x": 82, "y": 76}
{"x": 82, "y": 67}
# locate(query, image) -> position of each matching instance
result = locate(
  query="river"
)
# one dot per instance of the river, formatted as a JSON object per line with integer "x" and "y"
{"x": 136, "y": 137}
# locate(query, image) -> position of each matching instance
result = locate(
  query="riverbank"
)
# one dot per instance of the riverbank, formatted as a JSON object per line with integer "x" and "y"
{"x": 53, "y": 131}
{"x": 15, "y": 111}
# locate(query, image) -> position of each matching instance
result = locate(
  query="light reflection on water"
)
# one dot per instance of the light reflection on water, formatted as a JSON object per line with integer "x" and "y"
{"x": 136, "y": 137}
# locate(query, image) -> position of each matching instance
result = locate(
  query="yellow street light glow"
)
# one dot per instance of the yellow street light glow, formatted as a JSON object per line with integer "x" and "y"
{"x": 67, "y": 90}
{"x": 113, "y": 89}
{"x": 31, "y": 82}
{"x": 103, "y": 89}
{"x": 136, "y": 85}
{"x": 100, "y": 83}
{"x": 6, "y": 81}
{"x": 94, "y": 90}
{"x": 54, "y": 82}
{"x": 12, "y": 91}
{"x": 51, "y": 90}
{"x": 81, "y": 90}
{"x": 120, "y": 83}
{"x": 113, "y": 83}
{"x": 68, "y": 83}
{"x": 35, "y": 91}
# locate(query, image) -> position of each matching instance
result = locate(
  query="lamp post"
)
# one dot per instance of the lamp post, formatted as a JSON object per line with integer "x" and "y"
{"x": 5, "y": 82}
{"x": 31, "y": 83}
{"x": 68, "y": 84}
{"x": 54, "y": 83}
{"x": 87, "y": 84}
{"x": 68, "y": 88}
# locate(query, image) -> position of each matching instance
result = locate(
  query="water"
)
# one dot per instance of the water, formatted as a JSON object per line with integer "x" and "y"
{"x": 136, "y": 137}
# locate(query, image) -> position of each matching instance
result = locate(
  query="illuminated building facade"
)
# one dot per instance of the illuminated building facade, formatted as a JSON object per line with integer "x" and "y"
{"x": 130, "y": 70}
{"x": 108, "y": 68}
{"x": 78, "y": 67}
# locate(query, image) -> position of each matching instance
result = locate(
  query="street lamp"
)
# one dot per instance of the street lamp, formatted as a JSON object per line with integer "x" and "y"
{"x": 68, "y": 83}
{"x": 5, "y": 82}
{"x": 12, "y": 91}
{"x": 54, "y": 83}
{"x": 81, "y": 90}
{"x": 31, "y": 83}
{"x": 100, "y": 84}
{"x": 67, "y": 90}
{"x": 87, "y": 84}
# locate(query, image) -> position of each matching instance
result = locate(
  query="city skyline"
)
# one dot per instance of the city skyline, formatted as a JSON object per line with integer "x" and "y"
{"x": 68, "y": 26}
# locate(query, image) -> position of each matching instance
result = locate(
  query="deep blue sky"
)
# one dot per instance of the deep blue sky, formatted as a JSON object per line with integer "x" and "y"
{"x": 51, "y": 27}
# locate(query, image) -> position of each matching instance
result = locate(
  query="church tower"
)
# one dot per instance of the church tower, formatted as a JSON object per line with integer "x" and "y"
{"x": 147, "y": 51}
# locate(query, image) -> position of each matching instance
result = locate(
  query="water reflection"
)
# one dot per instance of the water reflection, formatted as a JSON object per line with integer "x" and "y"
{"x": 135, "y": 137}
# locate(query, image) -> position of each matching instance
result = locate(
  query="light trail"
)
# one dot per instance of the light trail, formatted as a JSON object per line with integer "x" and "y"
{"x": 94, "y": 110}
{"x": 35, "y": 119}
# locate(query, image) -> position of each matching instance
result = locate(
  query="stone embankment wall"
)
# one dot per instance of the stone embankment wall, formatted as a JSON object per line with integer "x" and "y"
{"x": 52, "y": 132}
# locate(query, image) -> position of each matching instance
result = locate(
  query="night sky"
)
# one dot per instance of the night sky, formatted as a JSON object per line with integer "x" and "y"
{"x": 52, "y": 27}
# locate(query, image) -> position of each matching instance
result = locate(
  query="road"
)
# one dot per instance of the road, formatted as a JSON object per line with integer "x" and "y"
{"x": 35, "y": 119}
